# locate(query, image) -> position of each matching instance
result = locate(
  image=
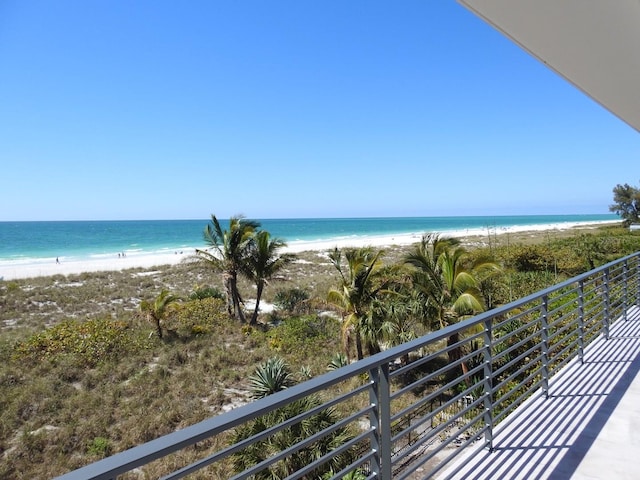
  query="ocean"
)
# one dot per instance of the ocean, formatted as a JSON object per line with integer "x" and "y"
{"x": 75, "y": 240}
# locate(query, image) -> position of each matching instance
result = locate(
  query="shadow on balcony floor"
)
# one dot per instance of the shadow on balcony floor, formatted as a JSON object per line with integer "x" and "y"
{"x": 588, "y": 428}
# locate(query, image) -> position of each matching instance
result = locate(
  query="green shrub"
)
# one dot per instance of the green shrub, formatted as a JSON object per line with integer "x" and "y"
{"x": 12, "y": 287}
{"x": 304, "y": 338}
{"x": 81, "y": 343}
{"x": 200, "y": 316}
{"x": 293, "y": 300}
{"x": 100, "y": 447}
{"x": 202, "y": 292}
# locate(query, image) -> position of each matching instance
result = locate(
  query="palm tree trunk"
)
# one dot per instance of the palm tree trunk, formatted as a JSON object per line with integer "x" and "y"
{"x": 359, "y": 345}
{"x": 346, "y": 342}
{"x": 455, "y": 353}
{"x": 373, "y": 348}
{"x": 158, "y": 327}
{"x": 254, "y": 317}
{"x": 227, "y": 280}
{"x": 234, "y": 307}
{"x": 237, "y": 304}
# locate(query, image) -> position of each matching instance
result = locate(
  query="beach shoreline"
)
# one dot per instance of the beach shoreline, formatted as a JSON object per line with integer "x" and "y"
{"x": 20, "y": 269}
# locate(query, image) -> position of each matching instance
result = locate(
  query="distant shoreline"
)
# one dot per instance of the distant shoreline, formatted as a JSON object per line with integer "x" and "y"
{"x": 11, "y": 270}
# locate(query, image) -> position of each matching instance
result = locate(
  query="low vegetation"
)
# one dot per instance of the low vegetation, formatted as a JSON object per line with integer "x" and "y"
{"x": 84, "y": 373}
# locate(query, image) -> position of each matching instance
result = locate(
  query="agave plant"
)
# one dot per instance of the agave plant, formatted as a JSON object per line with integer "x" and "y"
{"x": 270, "y": 377}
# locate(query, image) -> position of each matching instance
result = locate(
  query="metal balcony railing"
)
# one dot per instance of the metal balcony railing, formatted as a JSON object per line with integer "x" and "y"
{"x": 406, "y": 412}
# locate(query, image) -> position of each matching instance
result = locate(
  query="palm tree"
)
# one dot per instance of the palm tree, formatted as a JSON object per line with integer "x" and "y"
{"x": 362, "y": 285}
{"x": 447, "y": 284}
{"x": 158, "y": 310}
{"x": 400, "y": 321}
{"x": 263, "y": 262}
{"x": 230, "y": 250}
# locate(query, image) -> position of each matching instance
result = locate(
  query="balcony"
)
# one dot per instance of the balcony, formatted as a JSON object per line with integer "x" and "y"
{"x": 538, "y": 388}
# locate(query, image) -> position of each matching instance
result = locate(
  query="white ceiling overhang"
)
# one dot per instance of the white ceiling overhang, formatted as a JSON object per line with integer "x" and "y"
{"x": 595, "y": 44}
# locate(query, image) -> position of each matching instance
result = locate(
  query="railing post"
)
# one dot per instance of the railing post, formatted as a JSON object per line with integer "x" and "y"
{"x": 545, "y": 344}
{"x": 625, "y": 280}
{"x": 581, "y": 321}
{"x": 638, "y": 280}
{"x": 488, "y": 383}
{"x": 379, "y": 394}
{"x": 607, "y": 304}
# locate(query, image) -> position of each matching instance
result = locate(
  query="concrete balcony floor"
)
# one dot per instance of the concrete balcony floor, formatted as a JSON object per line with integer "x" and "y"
{"x": 588, "y": 428}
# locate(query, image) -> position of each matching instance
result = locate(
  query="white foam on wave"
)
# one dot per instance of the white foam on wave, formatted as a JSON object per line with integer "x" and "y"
{"x": 30, "y": 267}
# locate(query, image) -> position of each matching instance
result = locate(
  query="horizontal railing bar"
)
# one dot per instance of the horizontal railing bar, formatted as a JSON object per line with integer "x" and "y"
{"x": 573, "y": 342}
{"x": 616, "y": 274}
{"x": 553, "y": 370}
{"x": 107, "y": 468}
{"x": 292, "y": 421}
{"x": 557, "y": 304}
{"x": 564, "y": 347}
{"x": 353, "y": 466}
{"x": 525, "y": 327}
{"x": 590, "y": 284}
{"x": 572, "y": 287}
{"x": 431, "y": 434}
{"x": 523, "y": 382}
{"x": 325, "y": 458}
{"x": 592, "y": 304}
{"x": 437, "y": 373}
{"x": 432, "y": 413}
{"x": 430, "y": 376}
{"x": 515, "y": 346}
{"x": 276, "y": 428}
{"x": 565, "y": 331}
{"x": 446, "y": 443}
{"x": 444, "y": 425}
{"x": 530, "y": 311}
{"x": 461, "y": 414}
{"x": 455, "y": 452}
{"x": 516, "y": 360}
{"x": 595, "y": 312}
{"x": 589, "y": 331}
{"x": 432, "y": 395}
{"x": 518, "y": 400}
{"x": 572, "y": 315}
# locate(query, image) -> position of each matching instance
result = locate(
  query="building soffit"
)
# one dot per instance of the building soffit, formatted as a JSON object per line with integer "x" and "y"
{"x": 594, "y": 44}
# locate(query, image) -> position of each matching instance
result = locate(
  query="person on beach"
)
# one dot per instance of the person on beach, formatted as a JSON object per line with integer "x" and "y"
{"x": 57, "y": 261}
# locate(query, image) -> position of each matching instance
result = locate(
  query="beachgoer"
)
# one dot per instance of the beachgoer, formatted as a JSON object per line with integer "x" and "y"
{"x": 57, "y": 261}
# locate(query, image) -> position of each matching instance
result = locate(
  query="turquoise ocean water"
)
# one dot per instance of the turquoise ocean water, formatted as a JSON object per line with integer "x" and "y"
{"x": 27, "y": 241}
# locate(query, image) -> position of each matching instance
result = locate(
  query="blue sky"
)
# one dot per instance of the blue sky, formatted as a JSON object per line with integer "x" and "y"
{"x": 168, "y": 110}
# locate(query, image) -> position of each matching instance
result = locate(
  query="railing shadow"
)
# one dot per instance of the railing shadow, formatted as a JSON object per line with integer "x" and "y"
{"x": 627, "y": 356}
{"x": 549, "y": 438}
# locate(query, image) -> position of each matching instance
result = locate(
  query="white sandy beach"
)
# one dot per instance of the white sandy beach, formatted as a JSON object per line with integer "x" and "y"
{"x": 10, "y": 270}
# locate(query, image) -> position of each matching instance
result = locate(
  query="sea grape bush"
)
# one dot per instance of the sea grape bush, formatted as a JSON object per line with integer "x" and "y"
{"x": 88, "y": 343}
{"x": 200, "y": 316}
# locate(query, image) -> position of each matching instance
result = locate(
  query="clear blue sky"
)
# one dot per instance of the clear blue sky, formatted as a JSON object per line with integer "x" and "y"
{"x": 119, "y": 109}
